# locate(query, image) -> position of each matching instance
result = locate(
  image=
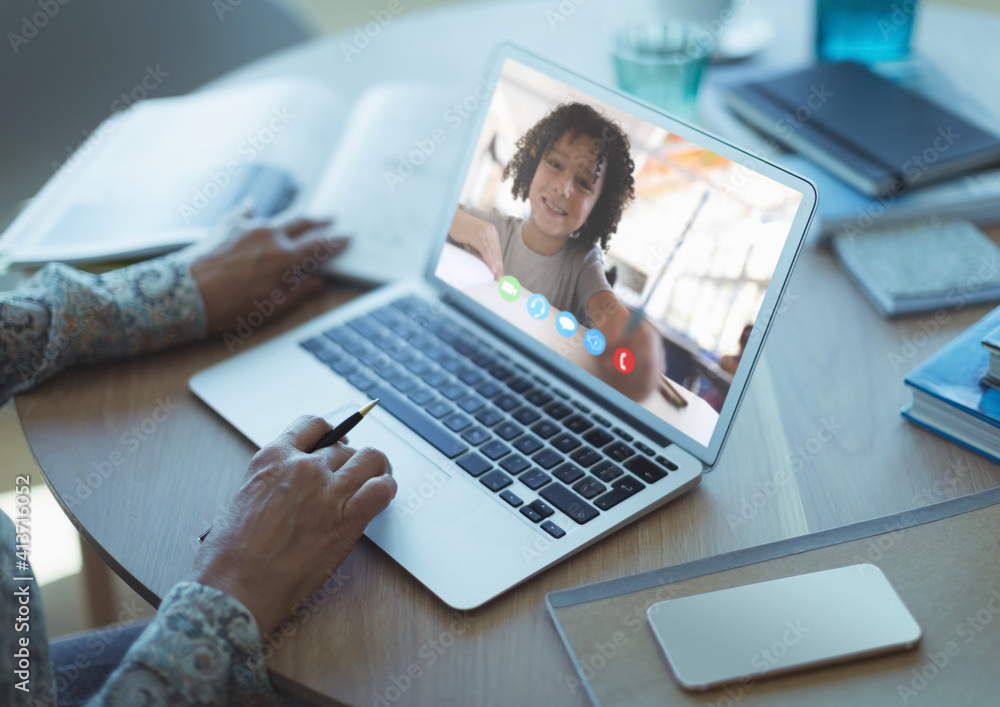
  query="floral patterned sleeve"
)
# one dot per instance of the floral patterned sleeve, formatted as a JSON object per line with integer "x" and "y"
{"x": 63, "y": 316}
{"x": 203, "y": 648}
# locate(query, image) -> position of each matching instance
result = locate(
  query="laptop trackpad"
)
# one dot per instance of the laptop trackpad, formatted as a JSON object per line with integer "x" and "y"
{"x": 451, "y": 536}
{"x": 413, "y": 471}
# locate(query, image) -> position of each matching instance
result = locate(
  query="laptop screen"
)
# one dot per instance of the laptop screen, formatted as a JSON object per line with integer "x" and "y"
{"x": 636, "y": 255}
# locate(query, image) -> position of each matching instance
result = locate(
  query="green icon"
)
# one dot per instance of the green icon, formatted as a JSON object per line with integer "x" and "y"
{"x": 510, "y": 288}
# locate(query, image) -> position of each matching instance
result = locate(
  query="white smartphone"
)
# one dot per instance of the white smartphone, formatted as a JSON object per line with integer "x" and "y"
{"x": 743, "y": 633}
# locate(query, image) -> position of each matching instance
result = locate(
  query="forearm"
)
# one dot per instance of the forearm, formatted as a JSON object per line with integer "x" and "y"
{"x": 62, "y": 316}
{"x": 466, "y": 229}
{"x": 203, "y": 648}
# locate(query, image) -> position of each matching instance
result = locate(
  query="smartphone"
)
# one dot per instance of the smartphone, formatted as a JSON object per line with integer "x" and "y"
{"x": 757, "y": 630}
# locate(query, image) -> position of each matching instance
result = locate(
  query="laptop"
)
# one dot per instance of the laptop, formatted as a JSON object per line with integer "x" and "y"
{"x": 517, "y": 430}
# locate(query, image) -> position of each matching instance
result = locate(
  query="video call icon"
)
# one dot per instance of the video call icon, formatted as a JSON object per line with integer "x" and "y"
{"x": 510, "y": 288}
{"x": 538, "y": 306}
{"x": 566, "y": 324}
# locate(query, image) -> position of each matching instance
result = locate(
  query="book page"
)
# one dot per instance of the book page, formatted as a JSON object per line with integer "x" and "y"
{"x": 168, "y": 171}
{"x": 390, "y": 180}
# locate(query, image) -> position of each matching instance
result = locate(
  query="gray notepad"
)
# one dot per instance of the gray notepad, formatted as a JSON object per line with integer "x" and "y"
{"x": 913, "y": 267}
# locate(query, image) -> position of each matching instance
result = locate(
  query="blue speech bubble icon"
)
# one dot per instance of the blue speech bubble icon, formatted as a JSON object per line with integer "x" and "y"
{"x": 594, "y": 342}
{"x": 538, "y": 306}
{"x": 566, "y": 324}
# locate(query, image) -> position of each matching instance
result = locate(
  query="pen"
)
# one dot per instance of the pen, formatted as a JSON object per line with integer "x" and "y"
{"x": 344, "y": 427}
{"x": 327, "y": 440}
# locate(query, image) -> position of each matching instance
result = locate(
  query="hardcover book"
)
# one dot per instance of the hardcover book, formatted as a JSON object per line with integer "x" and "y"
{"x": 877, "y": 136}
{"x": 949, "y": 397}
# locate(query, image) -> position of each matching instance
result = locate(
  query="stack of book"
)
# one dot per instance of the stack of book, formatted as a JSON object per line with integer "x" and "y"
{"x": 956, "y": 392}
{"x": 889, "y": 158}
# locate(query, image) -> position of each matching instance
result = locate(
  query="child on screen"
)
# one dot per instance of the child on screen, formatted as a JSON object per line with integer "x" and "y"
{"x": 575, "y": 170}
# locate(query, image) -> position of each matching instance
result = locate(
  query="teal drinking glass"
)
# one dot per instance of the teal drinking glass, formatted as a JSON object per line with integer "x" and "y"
{"x": 866, "y": 31}
{"x": 662, "y": 63}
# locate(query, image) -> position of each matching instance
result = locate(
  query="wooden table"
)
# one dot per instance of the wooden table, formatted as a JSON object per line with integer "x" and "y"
{"x": 162, "y": 465}
{"x": 826, "y": 366}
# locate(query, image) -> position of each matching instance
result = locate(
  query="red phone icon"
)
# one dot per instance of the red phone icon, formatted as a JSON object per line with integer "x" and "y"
{"x": 624, "y": 360}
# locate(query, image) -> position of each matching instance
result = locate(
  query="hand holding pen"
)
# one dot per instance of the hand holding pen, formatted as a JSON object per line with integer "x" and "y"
{"x": 328, "y": 439}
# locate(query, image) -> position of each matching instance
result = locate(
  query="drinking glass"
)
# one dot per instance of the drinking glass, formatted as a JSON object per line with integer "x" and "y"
{"x": 661, "y": 62}
{"x": 867, "y": 31}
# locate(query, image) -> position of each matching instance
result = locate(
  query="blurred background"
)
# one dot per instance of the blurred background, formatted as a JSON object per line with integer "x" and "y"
{"x": 70, "y": 81}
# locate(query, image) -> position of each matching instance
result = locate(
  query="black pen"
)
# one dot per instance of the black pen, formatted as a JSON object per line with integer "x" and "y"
{"x": 344, "y": 427}
{"x": 328, "y": 439}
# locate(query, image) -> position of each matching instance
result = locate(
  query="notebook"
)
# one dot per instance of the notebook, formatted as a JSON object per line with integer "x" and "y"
{"x": 922, "y": 265}
{"x": 872, "y": 133}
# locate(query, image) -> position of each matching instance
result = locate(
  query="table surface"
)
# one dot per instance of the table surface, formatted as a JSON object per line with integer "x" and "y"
{"x": 818, "y": 443}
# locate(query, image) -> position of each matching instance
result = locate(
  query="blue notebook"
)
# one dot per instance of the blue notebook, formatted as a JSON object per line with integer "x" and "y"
{"x": 878, "y": 136}
{"x": 949, "y": 396}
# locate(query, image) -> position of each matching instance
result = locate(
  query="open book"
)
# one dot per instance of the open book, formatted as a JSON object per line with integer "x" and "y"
{"x": 169, "y": 172}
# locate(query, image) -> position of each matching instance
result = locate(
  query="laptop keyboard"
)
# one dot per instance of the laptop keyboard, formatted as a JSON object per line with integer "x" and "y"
{"x": 518, "y": 435}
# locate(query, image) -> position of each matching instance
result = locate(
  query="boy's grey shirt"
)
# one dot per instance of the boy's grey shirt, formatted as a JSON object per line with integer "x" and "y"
{"x": 568, "y": 279}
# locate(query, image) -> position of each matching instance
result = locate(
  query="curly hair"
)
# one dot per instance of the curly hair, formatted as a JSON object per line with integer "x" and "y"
{"x": 609, "y": 144}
